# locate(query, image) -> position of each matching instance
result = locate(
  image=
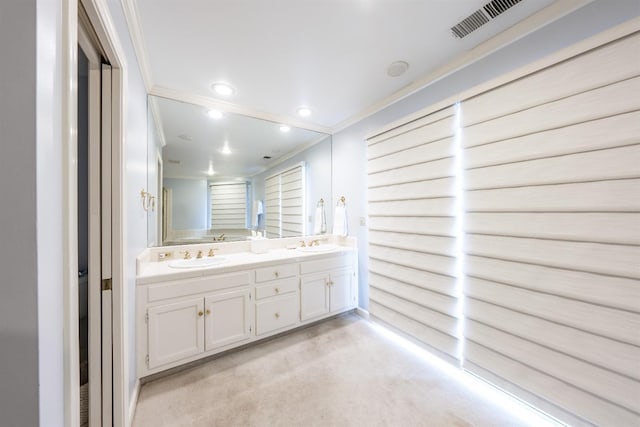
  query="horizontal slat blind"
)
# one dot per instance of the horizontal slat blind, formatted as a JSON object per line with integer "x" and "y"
{"x": 292, "y": 188}
{"x": 552, "y": 223}
{"x": 228, "y": 205}
{"x": 412, "y": 239}
{"x": 272, "y": 206}
{"x": 285, "y": 201}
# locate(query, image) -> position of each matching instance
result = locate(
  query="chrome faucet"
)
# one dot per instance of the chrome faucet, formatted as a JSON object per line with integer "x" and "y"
{"x": 187, "y": 255}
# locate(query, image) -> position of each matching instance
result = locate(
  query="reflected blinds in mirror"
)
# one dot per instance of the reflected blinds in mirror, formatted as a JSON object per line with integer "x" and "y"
{"x": 285, "y": 201}
{"x": 228, "y": 206}
{"x": 272, "y": 206}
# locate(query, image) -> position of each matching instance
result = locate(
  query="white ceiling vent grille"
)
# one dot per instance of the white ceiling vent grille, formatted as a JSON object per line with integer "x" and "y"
{"x": 481, "y": 16}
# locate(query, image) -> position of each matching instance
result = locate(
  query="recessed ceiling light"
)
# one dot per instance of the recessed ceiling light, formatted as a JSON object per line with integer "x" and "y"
{"x": 304, "y": 111}
{"x": 210, "y": 171}
{"x": 398, "y": 68}
{"x": 226, "y": 149}
{"x": 224, "y": 89}
{"x": 214, "y": 114}
{"x": 285, "y": 128}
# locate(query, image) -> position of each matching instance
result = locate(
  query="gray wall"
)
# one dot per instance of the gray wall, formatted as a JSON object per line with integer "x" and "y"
{"x": 18, "y": 262}
{"x": 349, "y": 145}
{"x": 31, "y": 299}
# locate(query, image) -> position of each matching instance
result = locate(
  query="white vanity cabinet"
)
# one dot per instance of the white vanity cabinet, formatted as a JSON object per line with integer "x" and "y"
{"x": 186, "y": 319}
{"x": 327, "y": 286}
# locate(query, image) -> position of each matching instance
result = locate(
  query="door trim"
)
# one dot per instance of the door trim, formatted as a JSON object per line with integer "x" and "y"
{"x": 100, "y": 18}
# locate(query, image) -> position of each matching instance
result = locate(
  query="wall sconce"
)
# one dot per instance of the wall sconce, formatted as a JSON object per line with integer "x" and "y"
{"x": 148, "y": 200}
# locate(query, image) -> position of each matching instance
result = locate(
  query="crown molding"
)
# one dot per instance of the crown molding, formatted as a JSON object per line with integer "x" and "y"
{"x": 527, "y": 26}
{"x": 207, "y": 102}
{"x": 157, "y": 117}
{"x": 137, "y": 38}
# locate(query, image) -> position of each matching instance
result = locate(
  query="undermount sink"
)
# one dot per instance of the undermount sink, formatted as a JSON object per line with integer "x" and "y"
{"x": 197, "y": 262}
{"x": 318, "y": 248}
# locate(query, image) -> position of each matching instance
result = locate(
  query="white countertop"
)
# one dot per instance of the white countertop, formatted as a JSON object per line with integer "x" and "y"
{"x": 159, "y": 271}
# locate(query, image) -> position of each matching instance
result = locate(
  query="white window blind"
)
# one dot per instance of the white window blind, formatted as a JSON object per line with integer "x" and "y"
{"x": 551, "y": 284}
{"x": 228, "y": 206}
{"x": 285, "y": 201}
{"x": 552, "y": 173}
{"x": 412, "y": 239}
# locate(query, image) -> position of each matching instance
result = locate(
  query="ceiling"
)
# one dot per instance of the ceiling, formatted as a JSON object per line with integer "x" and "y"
{"x": 329, "y": 55}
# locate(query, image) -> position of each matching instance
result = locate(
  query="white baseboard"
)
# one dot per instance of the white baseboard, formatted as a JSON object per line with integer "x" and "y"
{"x": 362, "y": 313}
{"x": 133, "y": 403}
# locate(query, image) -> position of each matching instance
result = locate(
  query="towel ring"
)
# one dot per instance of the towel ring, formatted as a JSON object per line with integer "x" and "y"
{"x": 342, "y": 201}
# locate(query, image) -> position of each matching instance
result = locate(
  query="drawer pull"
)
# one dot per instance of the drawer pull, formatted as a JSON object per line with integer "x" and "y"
{"x": 277, "y": 315}
{"x": 276, "y": 273}
{"x": 277, "y": 290}
{"x": 200, "y": 313}
{"x": 208, "y": 312}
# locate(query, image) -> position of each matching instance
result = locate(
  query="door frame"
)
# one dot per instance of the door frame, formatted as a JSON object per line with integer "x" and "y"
{"x": 100, "y": 19}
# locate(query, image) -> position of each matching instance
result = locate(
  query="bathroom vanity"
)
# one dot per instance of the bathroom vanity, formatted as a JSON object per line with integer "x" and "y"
{"x": 191, "y": 305}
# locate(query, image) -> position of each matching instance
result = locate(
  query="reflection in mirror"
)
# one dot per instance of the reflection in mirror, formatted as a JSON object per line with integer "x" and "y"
{"x": 218, "y": 177}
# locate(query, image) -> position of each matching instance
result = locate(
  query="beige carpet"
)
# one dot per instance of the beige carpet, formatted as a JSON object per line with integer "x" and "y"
{"x": 341, "y": 372}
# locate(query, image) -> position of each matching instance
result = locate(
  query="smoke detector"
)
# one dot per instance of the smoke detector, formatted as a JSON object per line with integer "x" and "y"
{"x": 397, "y": 68}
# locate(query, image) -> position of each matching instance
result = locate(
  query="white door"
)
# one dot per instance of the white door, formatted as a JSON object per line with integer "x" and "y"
{"x": 227, "y": 319}
{"x": 99, "y": 307}
{"x": 314, "y": 296}
{"x": 176, "y": 331}
{"x": 341, "y": 290}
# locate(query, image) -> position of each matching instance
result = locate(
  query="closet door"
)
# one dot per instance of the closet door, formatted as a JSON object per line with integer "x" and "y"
{"x": 552, "y": 177}
{"x": 413, "y": 279}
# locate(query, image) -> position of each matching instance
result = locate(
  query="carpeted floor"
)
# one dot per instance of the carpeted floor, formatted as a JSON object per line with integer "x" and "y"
{"x": 341, "y": 372}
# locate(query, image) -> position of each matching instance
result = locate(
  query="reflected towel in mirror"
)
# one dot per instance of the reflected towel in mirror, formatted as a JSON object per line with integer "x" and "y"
{"x": 258, "y": 209}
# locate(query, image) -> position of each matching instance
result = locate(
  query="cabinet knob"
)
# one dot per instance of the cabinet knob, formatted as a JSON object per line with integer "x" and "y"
{"x": 200, "y": 313}
{"x": 277, "y": 290}
{"x": 208, "y": 312}
{"x": 277, "y": 315}
{"x": 276, "y": 273}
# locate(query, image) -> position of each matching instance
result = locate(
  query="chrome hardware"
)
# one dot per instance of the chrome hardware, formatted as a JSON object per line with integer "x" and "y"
{"x": 200, "y": 313}
{"x": 199, "y": 255}
{"x": 208, "y": 311}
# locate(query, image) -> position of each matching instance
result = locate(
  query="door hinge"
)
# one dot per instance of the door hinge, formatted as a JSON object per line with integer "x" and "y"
{"x": 249, "y": 296}
{"x": 106, "y": 284}
{"x": 146, "y": 359}
{"x": 146, "y": 318}
{"x": 250, "y": 329}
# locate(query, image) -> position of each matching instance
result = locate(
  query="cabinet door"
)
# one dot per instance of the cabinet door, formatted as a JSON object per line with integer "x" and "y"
{"x": 314, "y": 296}
{"x": 226, "y": 319}
{"x": 341, "y": 290}
{"x": 176, "y": 331}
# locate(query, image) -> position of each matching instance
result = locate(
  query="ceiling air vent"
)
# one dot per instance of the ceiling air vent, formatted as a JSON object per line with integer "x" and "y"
{"x": 481, "y": 16}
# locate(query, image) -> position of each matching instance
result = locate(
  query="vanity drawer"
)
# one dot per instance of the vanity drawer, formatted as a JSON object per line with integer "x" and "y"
{"x": 278, "y": 287}
{"x": 277, "y": 313}
{"x": 276, "y": 272}
{"x": 341, "y": 260}
{"x": 182, "y": 288}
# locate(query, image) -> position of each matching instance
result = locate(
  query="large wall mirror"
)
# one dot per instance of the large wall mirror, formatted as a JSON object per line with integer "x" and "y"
{"x": 217, "y": 176}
